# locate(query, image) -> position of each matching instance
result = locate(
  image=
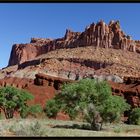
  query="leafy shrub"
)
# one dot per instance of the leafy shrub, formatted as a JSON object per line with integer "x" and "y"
{"x": 134, "y": 117}
{"x": 32, "y": 110}
{"x": 51, "y": 109}
{"x": 24, "y": 111}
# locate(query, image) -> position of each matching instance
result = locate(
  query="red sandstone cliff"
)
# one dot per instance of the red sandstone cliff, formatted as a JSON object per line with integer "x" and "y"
{"x": 97, "y": 35}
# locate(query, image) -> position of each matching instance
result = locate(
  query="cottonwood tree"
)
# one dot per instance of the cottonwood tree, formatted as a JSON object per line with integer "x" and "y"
{"x": 92, "y": 99}
{"x": 13, "y": 99}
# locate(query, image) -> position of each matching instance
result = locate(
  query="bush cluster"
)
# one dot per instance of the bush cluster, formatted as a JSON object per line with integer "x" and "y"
{"x": 134, "y": 117}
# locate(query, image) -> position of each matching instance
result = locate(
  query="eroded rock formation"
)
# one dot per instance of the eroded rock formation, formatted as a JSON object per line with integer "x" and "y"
{"x": 46, "y": 80}
{"x": 97, "y": 35}
{"x": 44, "y": 87}
{"x": 130, "y": 90}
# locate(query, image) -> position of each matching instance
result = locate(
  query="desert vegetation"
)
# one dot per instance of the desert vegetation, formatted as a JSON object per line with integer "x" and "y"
{"x": 15, "y": 100}
{"x": 89, "y": 100}
{"x": 134, "y": 117}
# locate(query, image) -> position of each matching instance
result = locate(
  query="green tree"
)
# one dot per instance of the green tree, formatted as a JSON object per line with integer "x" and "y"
{"x": 93, "y": 99}
{"x": 134, "y": 117}
{"x": 76, "y": 97}
{"x": 13, "y": 99}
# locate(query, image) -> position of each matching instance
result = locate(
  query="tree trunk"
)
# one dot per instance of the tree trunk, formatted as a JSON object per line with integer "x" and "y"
{"x": 9, "y": 113}
{"x": 5, "y": 112}
{"x": 95, "y": 126}
{"x": 96, "y": 123}
{"x": 101, "y": 125}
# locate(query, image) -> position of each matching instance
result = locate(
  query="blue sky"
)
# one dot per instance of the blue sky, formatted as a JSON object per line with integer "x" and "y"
{"x": 20, "y": 22}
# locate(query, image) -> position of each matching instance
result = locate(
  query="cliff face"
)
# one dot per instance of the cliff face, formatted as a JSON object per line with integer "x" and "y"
{"x": 23, "y": 52}
{"x": 96, "y": 35}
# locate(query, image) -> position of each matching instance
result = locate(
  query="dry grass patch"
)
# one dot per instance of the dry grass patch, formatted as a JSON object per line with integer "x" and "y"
{"x": 49, "y": 128}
